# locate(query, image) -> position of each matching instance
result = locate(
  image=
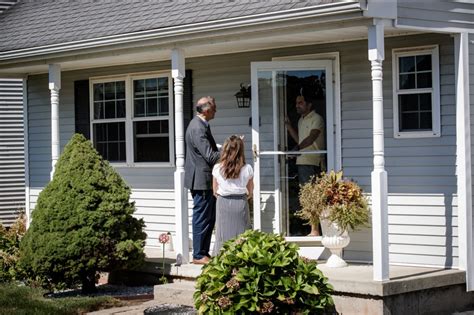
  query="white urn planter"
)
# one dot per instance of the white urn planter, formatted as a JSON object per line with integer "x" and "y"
{"x": 335, "y": 240}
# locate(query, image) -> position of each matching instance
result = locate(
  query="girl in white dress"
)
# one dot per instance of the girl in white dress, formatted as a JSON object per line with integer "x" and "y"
{"x": 233, "y": 186}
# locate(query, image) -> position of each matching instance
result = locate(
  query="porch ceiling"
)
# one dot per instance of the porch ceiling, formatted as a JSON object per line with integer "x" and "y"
{"x": 199, "y": 45}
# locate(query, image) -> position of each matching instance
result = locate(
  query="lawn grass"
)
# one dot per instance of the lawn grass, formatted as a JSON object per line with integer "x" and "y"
{"x": 21, "y": 300}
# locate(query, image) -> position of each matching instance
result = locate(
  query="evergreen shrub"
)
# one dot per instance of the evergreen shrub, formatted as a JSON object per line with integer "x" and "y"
{"x": 82, "y": 223}
{"x": 260, "y": 273}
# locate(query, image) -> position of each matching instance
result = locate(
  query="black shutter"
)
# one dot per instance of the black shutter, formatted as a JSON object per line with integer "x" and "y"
{"x": 81, "y": 107}
{"x": 188, "y": 98}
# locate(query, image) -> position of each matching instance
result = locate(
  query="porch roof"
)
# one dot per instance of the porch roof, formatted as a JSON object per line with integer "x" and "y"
{"x": 31, "y": 24}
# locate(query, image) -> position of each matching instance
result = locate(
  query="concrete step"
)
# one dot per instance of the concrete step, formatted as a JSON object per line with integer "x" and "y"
{"x": 179, "y": 292}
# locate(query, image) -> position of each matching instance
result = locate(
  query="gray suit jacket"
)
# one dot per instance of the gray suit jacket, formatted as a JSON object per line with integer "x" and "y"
{"x": 201, "y": 155}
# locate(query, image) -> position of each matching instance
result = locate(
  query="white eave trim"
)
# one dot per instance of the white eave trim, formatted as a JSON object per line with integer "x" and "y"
{"x": 180, "y": 30}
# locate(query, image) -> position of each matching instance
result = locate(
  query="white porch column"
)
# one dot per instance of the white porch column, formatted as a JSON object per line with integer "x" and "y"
{"x": 181, "y": 198}
{"x": 379, "y": 175}
{"x": 54, "y": 87}
{"x": 463, "y": 158}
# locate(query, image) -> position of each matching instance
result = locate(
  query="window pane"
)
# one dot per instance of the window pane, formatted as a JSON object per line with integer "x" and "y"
{"x": 153, "y": 149}
{"x": 98, "y": 110}
{"x": 113, "y": 132}
{"x": 121, "y": 109}
{"x": 164, "y": 126}
{"x": 114, "y": 95}
{"x": 408, "y": 102}
{"x": 122, "y": 153}
{"x": 425, "y": 101}
{"x": 407, "y": 64}
{"x": 139, "y": 108}
{"x": 154, "y": 91}
{"x": 120, "y": 86}
{"x": 164, "y": 107}
{"x": 407, "y": 81}
{"x": 426, "y": 121}
{"x": 113, "y": 151}
{"x": 409, "y": 121}
{"x": 138, "y": 88}
{"x": 109, "y": 90}
{"x": 109, "y": 139}
{"x": 423, "y": 80}
{"x": 141, "y": 127}
{"x": 151, "y": 87}
{"x": 163, "y": 86}
{"x": 151, "y": 107}
{"x": 151, "y": 141}
{"x": 423, "y": 63}
{"x": 110, "y": 109}
{"x": 98, "y": 92}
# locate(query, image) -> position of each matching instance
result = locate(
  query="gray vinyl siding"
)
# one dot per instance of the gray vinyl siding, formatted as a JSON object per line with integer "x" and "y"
{"x": 422, "y": 183}
{"x": 6, "y": 4}
{"x": 436, "y": 14}
{"x": 12, "y": 166}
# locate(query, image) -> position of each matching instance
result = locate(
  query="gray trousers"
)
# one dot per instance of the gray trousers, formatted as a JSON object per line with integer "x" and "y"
{"x": 232, "y": 219}
{"x": 306, "y": 171}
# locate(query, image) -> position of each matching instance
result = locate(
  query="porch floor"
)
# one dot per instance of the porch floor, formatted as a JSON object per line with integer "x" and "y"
{"x": 356, "y": 278}
{"x": 410, "y": 290}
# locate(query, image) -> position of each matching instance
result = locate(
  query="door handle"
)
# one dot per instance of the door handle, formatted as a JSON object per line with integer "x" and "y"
{"x": 255, "y": 152}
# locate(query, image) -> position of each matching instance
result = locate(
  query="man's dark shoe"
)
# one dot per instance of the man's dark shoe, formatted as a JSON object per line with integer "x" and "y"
{"x": 203, "y": 261}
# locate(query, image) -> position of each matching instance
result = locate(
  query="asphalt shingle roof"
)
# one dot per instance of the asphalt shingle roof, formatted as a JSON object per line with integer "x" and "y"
{"x": 33, "y": 23}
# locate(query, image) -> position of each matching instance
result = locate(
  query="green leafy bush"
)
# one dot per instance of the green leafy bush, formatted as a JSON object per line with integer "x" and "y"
{"x": 9, "y": 250}
{"x": 260, "y": 273}
{"x": 82, "y": 222}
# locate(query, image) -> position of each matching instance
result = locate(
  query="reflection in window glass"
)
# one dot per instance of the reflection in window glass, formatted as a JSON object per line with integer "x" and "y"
{"x": 415, "y": 112}
{"x": 109, "y": 100}
{"x": 151, "y": 141}
{"x": 109, "y": 141}
{"x": 147, "y": 94}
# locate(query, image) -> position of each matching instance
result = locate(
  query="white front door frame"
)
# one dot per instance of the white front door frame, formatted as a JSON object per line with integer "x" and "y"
{"x": 274, "y": 66}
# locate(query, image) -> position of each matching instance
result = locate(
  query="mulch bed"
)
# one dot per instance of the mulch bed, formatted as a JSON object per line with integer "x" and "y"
{"x": 120, "y": 292}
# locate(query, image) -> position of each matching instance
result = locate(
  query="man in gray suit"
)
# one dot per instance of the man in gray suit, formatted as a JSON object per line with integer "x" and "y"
{"x": 201, "y": 155}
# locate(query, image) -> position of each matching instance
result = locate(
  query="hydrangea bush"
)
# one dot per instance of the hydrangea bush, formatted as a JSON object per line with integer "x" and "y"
{"x": 260, "y": 273}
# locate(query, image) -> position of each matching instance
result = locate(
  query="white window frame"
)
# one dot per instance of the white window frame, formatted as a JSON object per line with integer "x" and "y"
{"x": 129, "y": 119}
{"x": 433, "y": 50}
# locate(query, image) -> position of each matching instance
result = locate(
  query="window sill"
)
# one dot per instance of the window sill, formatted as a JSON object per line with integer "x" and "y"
{"x": 416, "y": 134}
{"x": 143, "y": 165}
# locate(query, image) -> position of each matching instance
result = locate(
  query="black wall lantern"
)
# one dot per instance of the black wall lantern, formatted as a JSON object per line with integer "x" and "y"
{"x": 243, "y": 96}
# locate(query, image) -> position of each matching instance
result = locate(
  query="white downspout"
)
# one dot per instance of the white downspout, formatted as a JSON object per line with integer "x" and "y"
{"x": 379, "y": 175}
{"x": 463, "y": 157}
{"x": 181, "y": 204}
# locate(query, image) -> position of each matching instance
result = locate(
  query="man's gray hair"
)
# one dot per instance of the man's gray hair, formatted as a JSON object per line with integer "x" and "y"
{"x": 204, "y": 103}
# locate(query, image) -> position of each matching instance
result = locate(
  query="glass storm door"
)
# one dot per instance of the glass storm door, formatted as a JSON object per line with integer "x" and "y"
{"x": 275, "y": 88}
